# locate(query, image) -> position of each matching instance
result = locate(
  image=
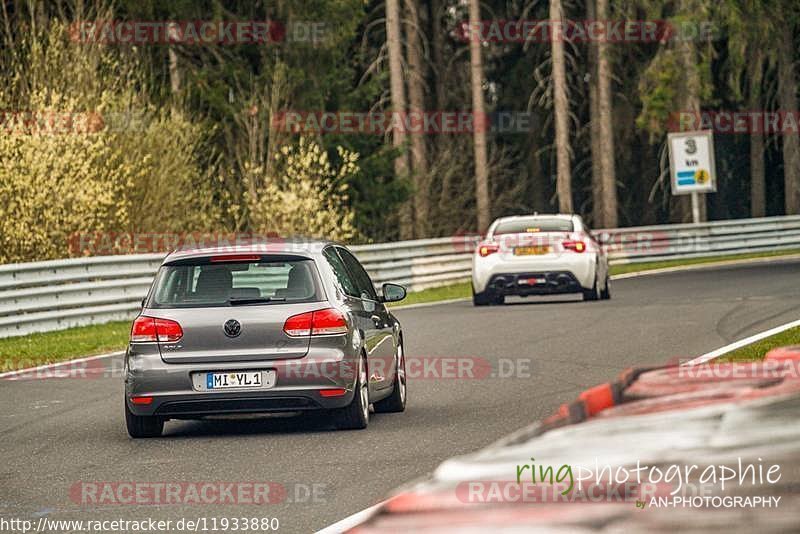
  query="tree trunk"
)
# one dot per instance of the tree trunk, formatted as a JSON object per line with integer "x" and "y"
{"x": 437, "y": 33}
{"x": 691, "y": 104}
{"x": 757, "y": 172}
{"x": 479, "y": 120}
{"x": 787, "y": 101}
{"x": 174, "y": 73}
{"x": 594, "y": 126}
{"x": 606, "y": 115}
{"x": 416, "y": 95}
{"x": 398, "y": 90}
{"x": 561, "y": 110}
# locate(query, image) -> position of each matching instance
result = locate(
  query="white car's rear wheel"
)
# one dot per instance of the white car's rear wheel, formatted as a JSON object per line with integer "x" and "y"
{"x": 605, "y": 294}
{"x": 592, "y": 294}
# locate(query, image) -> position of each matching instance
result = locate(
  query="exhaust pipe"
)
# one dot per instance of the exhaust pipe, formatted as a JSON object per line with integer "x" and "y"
{"x": 563, "y": 280}
{"x": 500, "y": 284}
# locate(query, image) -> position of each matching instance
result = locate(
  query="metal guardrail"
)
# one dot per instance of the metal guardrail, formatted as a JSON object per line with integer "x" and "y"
{"x": 51, "y": 295}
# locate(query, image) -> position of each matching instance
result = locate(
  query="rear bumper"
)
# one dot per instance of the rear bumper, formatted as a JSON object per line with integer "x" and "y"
{"x": 298, "y": 386}
{"x": 190, "y": 407}
{"x": 542, "y": 283}
{"x": 580, "y": 267}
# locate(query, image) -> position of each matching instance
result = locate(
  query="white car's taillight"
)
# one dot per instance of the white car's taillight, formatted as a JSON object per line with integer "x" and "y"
{"x": 574, "y": 245}
{"x": 484, "y": 249}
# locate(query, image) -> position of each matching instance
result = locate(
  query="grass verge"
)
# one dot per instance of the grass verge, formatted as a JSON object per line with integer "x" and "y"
{"x": 435, "y": 294}
{"x": 48, "y": 347}
{"x": 37, "y": 349}
{"x": 649, "y": 266}
{"x": 756, "y": 351}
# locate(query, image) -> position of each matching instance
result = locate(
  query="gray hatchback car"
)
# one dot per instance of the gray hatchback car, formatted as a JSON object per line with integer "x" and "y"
{"x": 266, "y": 327}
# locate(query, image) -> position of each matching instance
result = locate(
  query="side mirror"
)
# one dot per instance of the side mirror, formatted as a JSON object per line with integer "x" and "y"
{"x": 393, "y": 292}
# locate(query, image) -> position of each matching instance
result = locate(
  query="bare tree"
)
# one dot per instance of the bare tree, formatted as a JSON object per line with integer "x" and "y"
{"x": 787, "y": 99}
{"x": 605, "y": 113}
{"x": 594, "y": 124}
{"x": 561, "y": 111}
{"x": 398, "y": 90}
{"x": 416, "y": 94}
{"x": 755, "y": 65}
{"x": 479, "y": 120}
{"x": 174, "y": 73}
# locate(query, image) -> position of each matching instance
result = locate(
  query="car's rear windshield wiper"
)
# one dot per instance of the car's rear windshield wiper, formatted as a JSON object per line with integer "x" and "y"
{"x": 254, "y": 300}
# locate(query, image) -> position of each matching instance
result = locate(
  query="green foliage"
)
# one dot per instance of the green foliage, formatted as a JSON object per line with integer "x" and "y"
{"x": 93, "y": 169}
{"x": 303, "y": 194}
{"x": 205, "y": 156}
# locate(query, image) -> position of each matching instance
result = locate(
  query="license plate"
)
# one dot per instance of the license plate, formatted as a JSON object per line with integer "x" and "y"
{"x": 240, "y": 379}
{"x": 530, "y": 251}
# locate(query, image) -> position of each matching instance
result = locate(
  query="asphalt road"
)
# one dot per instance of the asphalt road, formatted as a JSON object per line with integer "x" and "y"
{"x": 56, "y": 432}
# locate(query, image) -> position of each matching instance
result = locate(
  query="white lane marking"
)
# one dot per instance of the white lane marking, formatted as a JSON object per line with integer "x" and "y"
{"x": 742, "y": 342}
{"x": 352, "y": 520}
{"x": 11, "y": 374}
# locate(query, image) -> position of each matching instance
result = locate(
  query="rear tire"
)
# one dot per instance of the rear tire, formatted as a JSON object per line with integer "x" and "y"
{"x": 591, "y": 294}
{"x": 143, "y": 426}
{"x": 396, "y": 402}
{"x": 481, "y": 299}
{"x": 605, "y": 294}
{"x": 355, "y": 416}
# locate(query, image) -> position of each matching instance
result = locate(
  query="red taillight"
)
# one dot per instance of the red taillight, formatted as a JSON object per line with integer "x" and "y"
{"x": 141, "y": 400}
{"x": 151, "y": 329}
{"x": 328, "y": 321}
{"x": 235, "y": 257}
{"x": 298, "y": 325}
{"x": 338, "y": 392}
{"x": 316, "y": 323}
{"x": 484, "y": 249}
{"x": 575, "y": 246}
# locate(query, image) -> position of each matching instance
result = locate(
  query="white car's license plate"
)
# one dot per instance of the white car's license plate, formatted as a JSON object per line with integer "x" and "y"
{"x": 531, "y": 251}
{"x": 240, "y": 379}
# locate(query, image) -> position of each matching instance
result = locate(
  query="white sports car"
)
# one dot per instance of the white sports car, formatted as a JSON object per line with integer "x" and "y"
{"x": 539, "y": 255}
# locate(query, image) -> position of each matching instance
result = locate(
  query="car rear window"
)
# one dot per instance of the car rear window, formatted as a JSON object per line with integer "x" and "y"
{"x": 203, "y": 283}
{"x": 534, "y": 225}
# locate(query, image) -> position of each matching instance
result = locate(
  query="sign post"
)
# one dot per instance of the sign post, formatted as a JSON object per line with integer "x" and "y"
{"x": 692, "y": 168}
